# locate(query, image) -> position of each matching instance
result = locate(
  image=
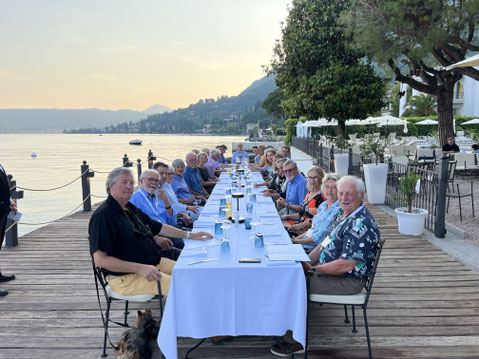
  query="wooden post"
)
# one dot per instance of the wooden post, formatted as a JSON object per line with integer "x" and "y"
{"x": 126, "y": 161}
{"x": 85, "y": 186}
{"x": 11, "y": 237}
{"x": 151, "y": 158}
{"x": 440, "y": 225}
{"x": 331, "y": 159}
{"x": 138, "y": 167}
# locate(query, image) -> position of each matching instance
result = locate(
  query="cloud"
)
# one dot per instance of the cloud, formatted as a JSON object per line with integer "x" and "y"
{"x": 119, "y": 49}
{"x": 98, "y": 77}
{"x": 11, "y": 76}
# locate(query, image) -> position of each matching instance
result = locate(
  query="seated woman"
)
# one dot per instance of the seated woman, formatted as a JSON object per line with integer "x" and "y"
{"x": 207, "y": 182}
{"x": 326, "y": 212}
{"x": 277, "y": 181}
{"x": 266, "y": 167}
{"x": 298, "y": 223}
{"x": 180, "y": 186}
{"x": 259, "y": 155}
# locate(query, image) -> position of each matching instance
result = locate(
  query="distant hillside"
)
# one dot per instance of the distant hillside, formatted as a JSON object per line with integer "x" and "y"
{"x": 152, "y": 110}
{"x": 56, "y": 120}
{"x": 223, "y": 115}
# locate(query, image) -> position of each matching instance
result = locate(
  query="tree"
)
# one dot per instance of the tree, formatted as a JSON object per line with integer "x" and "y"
{"x": 317, "y": 69}
{"x": 417, "y": 40}
{"x": 421, "y": 105}
{"x": 272, "y": 104}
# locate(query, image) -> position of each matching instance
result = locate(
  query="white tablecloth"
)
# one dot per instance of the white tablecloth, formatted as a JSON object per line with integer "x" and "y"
{"x": 226, "y": 297}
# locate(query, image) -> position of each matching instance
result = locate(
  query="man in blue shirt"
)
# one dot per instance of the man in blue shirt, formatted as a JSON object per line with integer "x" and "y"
{"x": 239, "y": 155}
{"x": 222, "y": 149}
{"x": 192, "y": 177}
{"x": 296, "y": 189}
{"x": 157, "y": 207}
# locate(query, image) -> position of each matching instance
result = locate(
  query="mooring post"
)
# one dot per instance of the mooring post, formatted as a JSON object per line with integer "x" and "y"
{"x": 151, "y": 158}
{"x": 11, "y": 237}
{"x": 86, "y": 173}
{"x": 138, "y": 167}
{"x": 126, "y": 161}
{"x": 440, "y": 225}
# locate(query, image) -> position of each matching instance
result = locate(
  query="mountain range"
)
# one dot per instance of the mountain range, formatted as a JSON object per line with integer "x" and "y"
{"x": 225, "y": 114}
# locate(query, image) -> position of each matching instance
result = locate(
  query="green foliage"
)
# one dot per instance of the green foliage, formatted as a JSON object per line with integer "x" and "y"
{"x": 272, "y": 104}
{"x": 373, "y": 146}
{"x": 320, "y": 74}
{"x": 416, "y": 40}
{"x": 393, "y": 99}
{"x": 407, "y": 187}
{"x": 421, "y": 105}
{"x": 290, "y": 124}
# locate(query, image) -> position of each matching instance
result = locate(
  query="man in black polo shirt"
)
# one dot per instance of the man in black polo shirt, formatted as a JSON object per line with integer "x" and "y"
{"x": 125, "y": 241}
{"x": 450, "y": 146}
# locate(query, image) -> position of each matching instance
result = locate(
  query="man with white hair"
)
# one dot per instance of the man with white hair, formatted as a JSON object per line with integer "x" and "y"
{"x": 192, "y": 177}
{"x": 214, "y": 165}
{"x": 239, "y": 155}
{"x": 343, "y": 259}
{"x": 296, "y": 189}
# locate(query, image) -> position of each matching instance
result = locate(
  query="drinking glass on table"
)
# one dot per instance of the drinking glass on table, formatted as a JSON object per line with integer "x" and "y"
{"x": 226, "y": 225}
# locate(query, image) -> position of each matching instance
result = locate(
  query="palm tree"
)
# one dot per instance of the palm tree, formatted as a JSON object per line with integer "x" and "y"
{"x": 421, "y": 105}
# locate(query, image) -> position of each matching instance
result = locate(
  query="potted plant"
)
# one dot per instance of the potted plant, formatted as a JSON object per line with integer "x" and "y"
{"x": 375, "y": 174}
{"x": 410, "y": 220}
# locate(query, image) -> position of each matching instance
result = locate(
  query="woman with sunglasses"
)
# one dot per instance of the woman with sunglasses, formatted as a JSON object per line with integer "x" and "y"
{"x": 300, "y": 222}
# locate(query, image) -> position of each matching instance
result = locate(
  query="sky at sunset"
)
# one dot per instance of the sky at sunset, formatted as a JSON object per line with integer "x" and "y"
{"x": 118, "y": 54}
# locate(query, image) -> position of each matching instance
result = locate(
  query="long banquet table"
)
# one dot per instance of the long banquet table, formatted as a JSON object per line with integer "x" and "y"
{"x": 225, "y": 297}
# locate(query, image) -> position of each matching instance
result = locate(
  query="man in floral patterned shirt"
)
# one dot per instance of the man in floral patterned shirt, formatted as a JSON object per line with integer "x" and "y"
{"x": 345, "y": 254}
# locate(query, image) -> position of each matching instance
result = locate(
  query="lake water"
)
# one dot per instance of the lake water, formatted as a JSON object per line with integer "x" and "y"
{"x": 60, "y": 156}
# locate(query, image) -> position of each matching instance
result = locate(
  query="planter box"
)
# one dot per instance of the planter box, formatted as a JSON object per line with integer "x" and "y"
{"x": 341, "y": 164}
{"x": 376, "y": 177}
{"x": 411, "y": 224}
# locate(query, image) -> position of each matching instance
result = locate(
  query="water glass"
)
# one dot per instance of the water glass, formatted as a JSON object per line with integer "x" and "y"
{"x": 223, "y": 211}
{"x": 249, "y": 208}
{"x": 247, "y": 222}
{"x": 258, "y": 240}
{"x": 225, "y": 245}
{"x": 218, "y": 229}
{"x": 228, "y": 191}
{"x": 253, "y": 197}
{"x": 222, "y": 202}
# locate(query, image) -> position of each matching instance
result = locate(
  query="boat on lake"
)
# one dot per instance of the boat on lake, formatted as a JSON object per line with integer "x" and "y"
{"x": 136, "y": 142}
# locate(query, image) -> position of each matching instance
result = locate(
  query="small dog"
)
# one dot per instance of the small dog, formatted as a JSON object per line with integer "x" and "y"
{"x": 134, "y": 342}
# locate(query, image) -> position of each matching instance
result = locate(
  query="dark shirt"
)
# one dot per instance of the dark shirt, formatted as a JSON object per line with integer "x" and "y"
{"x": 205, "y": 176}
{"x": 127, "y": 238}
{"x": 447, "y": 147}
{"x": 4, "y": 193}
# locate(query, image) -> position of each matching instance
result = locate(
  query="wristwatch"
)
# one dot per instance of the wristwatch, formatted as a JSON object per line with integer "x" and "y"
{"x": 187, "y": 235}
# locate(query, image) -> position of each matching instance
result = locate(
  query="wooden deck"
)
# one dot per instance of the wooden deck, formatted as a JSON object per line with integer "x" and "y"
{"x": 424, "y": 304}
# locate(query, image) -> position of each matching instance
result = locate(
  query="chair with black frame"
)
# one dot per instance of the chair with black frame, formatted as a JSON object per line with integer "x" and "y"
{"x": 361, "y": 299}
{"x": 101, "y": 276}
{"x": 453, "y": 194}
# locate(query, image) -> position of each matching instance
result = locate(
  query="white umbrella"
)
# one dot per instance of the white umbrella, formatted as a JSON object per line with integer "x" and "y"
{"x": 472, "y": 122}
{"x": 389, "y": 120}
{"x": 427, "y": 121}
{"x": 471, "y": 61}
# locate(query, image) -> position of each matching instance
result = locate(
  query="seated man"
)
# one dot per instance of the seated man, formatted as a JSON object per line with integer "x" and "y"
{"x": 188, "y": 213}
{"x": 345, "y": 255}
{"x": 214, "y": 166}
{"x": 192, "y": 177}
{"x": 450, "y": 146}
{"x": 179, "y": 185}
{"x": 156, "y": 206}
{"x": 296, "y": 189}
{"x": 125, "y": 241}
{"x": 240, "y": 155}
{"x": 222, "y": 149}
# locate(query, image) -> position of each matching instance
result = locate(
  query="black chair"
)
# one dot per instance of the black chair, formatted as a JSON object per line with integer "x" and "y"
{"x": 101, "y": 277}
{"x": 452, "y": 194}
{"x": 361, "y": 299}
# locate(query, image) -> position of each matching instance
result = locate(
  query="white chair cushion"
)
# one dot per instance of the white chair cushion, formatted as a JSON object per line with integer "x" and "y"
{"x": 131, "y": 298}
{"x": 356, "y": 299}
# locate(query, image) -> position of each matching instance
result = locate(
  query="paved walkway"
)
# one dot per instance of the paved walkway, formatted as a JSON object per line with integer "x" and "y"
{"x": 425, "y": 304}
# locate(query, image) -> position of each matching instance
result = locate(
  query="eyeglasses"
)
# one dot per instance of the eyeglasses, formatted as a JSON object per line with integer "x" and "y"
{"x": 154, "y": 180}
{"x": 289, "y": 171}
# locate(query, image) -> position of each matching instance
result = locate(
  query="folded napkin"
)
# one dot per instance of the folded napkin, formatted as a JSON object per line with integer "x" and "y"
{"x": 279, "y": 263}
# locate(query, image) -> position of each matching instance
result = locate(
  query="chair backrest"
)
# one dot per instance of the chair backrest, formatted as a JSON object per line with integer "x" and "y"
{"x": 466, "y": 159}
{"x": 374, "y": 267}
{"x": 402, "y": 160}
{"x": 422, "y": 153}
{"x": 451, "y": 170}
{"x": 398, "y": 150}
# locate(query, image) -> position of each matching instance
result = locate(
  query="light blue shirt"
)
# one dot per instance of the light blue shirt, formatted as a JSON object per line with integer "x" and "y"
{"x": 242, "y": 156}
{"x": 181, "y": 188}
{"x": 170, "y": 192}
{"x": 296, "y": 190}
{"x": 322, "y": 220}
{"x": 153, "y": 207}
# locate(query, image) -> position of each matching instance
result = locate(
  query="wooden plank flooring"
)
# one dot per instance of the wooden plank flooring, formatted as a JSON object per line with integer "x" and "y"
{"x": 424, "y": 304}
